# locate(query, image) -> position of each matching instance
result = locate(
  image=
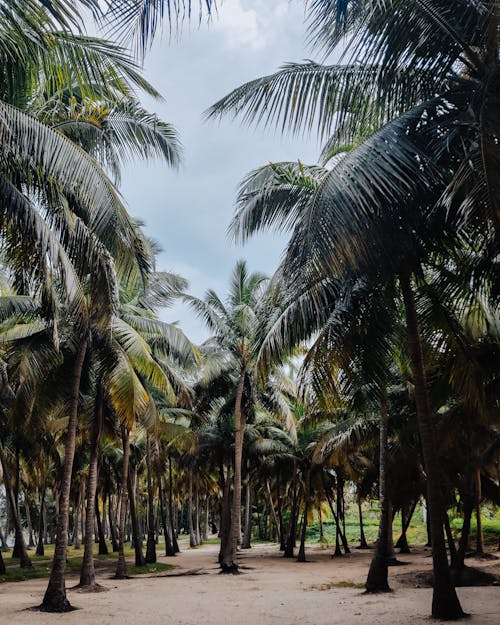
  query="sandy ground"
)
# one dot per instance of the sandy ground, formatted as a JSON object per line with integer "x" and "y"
{"x": 270, "y": 591}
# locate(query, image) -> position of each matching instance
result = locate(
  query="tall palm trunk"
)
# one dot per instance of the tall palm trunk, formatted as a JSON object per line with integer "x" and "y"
{"x": 55, "y": 599}
{"x": 121, "y": 567}
{"x": 301, "y": 556}
{"x": 377, "y": 575}
{"x": 136, "y": 532}
{"x": 294, "y": 513}
{"x": 247, "y": 537}
{"x": 225, "y": 521}
{"x": 192, "y": 537}
{"x": 112, "y": 524}
{"x": 479, "y": 523}
{"x": 362, "y": 538}
{"x": 197, "y": 516}
{"x": 151, "y": 543}
{"x": 87, "y": 573}
{"x": 229, "y": 563}
{"x": 103, "y": 548}
{"x": 24, "y": 559}
{"x": 164, "y": 517}
{"x": 445, "y": 603}
{"x": 273, "y": 511}
{"x": 31, "y": 541}
{"x": 40, "y": 551}
{"x": 171, "y": 505}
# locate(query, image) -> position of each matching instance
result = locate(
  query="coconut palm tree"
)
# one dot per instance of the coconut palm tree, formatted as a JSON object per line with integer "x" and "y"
{"x": 419, "y": 151}
{"x": 234, "y": 325}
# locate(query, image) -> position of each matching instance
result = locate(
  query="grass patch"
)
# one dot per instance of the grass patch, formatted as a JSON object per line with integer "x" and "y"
{"x": 16, "y": 574}
{"x": 333, "y": 585}
{"x": 157, "y": 567}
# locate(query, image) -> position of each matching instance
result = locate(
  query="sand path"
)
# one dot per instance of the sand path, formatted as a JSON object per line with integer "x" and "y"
{"x": 270, "y": 591}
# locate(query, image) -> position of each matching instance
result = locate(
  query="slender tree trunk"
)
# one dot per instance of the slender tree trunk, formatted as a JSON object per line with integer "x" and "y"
{"x": 362, "y": 538}
{"x": 103, "y": 548}
{"x": 151, "y": 542}
{"x": 121, "y": 567}
{"x": 55, "y": 599}
{"x": 3, "y": 542}
{"x": 169, "y": 547}
{"x": 281, "y": 531}
{"x": 301, "y": 557}
{"x": 17, "y": 549}
{"x": 87, "y": 573}
{"x": 248, "y": 512}
{"x": 451, "y": 542}
{"x": 40, "y": 551}
{"x": 341, "y": 499}
{"x": 479, "y": 523}
{"x": 136, "y": 534}
{"x": 207, "y": 520}
{"x": 463, "y": 544}
{"x": 24, "y": 559}
{"x": 445, "y": 603}
{"x": 2, "y": 564}
{"x": 76, "y": 521}
{"x": 290, "y": 543}
{"x": 402, "y": 542}
{"x": 229, "y": 563}
{"x": 31, "y": 541}
{"x": 273, "y": 511}
{"x": 225, "y": 522}
{"x": 377, "y": 580}
{"x": 192, "y": 537}
{"x": 197, "y": 516}
{"x": 112, "y": 525}
{"x": 171, "y": 505}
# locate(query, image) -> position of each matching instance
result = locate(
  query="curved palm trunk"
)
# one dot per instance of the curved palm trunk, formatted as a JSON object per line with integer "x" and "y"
{"x": 55, "y": 599}
{"x": 151, "y": 543}
{"x": 24, "y": 559}
{"x": 445, "y": 603}
{"x": 87, "y": 573}
{"x": 229, "y": 562}
{"x": 112, "y": 524}
{"x": 377, "y": 580}
{"x": 402, "y": 542}
{"x": 121, "y": 567}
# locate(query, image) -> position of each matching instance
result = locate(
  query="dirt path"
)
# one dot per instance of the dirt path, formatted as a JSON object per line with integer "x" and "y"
{"x": 270, "y": 591}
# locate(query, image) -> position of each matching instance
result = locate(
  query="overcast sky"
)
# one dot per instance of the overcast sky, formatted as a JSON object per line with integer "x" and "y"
{"x": 188, "y": 211}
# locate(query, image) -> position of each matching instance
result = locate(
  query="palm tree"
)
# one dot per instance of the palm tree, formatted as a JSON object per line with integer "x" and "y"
{"x": 234, "y": 326}
{"x": 417, "y": 157}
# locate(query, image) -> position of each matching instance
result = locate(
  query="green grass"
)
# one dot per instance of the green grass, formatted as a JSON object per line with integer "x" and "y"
{"x": 42, "y": 564}
{"x": 416, "y": 533}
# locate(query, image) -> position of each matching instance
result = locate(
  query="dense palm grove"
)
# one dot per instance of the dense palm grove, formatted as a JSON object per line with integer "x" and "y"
{"x": 366, "y": 367}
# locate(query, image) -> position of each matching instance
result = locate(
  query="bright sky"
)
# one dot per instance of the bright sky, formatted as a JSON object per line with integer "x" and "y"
{"x": 188, "y": 211}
